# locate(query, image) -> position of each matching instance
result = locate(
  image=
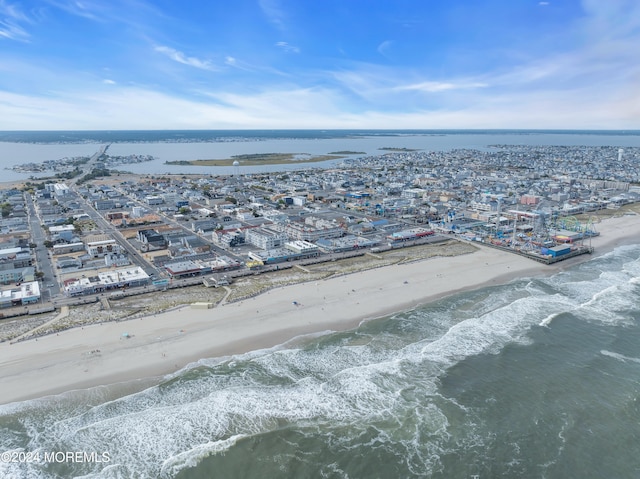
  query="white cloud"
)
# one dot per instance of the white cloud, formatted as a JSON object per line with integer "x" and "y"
{"x": 83, "y": 9}
{"x": 384, "y": 48}
{"x": 12, "y": 31}
{"x": 288, "y": 48}
{"x": 592, "y": 82}
{"x": 274, "y": 12}
{"x": 386, "y": 87}
{"x": 11, "y": 20}
{"x": 434, "y": 87}
{"x": 180, "y": 57}
{"x": 290, "y": 106}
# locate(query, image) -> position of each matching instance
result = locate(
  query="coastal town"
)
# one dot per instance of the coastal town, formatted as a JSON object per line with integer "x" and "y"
{"x": 108, "y": 235}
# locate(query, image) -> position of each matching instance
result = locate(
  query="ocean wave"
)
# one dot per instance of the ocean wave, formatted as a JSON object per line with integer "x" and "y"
{"x": 378, "y": 386}
{"x": 171, "y": 466}
{"x": 619, "y": 357}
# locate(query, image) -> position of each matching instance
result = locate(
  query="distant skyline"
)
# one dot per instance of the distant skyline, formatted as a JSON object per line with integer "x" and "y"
{"x": 293, "y": 64}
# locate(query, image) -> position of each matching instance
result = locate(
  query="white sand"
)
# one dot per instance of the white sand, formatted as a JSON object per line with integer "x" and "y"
{"x": 166, "y": 342}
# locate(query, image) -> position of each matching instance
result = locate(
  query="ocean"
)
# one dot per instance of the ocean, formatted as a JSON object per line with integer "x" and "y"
{"x": 537, "y": 378}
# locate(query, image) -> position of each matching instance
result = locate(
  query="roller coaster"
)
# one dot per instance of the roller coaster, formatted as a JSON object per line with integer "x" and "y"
{"x": 571, "y": 223}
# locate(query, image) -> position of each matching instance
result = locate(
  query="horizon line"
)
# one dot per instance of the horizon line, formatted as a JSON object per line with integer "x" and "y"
{"x": 324, "y": 129}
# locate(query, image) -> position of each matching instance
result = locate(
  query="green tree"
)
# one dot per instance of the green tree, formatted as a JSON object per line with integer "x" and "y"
{"x": 6, "y": 209}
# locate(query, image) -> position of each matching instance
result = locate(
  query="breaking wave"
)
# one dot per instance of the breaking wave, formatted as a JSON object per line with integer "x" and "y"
{"x": 375, "y": 390}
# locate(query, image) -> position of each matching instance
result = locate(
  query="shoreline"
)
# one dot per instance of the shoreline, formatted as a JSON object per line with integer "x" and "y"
{"x": 161, "y": 344}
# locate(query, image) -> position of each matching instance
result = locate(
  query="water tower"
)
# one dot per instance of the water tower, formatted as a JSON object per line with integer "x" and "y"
{"x": 620, "y": 152}
{"x": 236, "y": 168}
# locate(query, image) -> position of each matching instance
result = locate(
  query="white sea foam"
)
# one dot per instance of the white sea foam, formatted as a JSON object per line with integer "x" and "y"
{"x": 610, "y": 304}
{"x": 190, "y": 458}
{"x": 337, "y": 385}
{"x": 490, "y": 332}
{"x": 619, "y": 357}
{"x": 386, "y": 381}
{"x": 547, "y": 321}
{"x": 355, "y": 395}
{"x": 605, "y": 297}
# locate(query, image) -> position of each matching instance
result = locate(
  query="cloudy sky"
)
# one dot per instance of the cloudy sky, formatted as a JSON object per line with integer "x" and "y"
{"x": 247, "y": 64}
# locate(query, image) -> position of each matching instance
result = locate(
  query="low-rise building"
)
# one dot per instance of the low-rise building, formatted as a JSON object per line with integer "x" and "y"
{"x": 154, "y": 200}
{"x": 102, "y": 205}
{"x": 100, "y": 248}
{"x": 302, "y": 248}
{"x": 151, "y": 239}
{"x": 346, "y": 243}
{"x": 181, "y": 269}
{"x": 115, "y": 279}
{"x": 116, "y": 260}
{"x": 265, "y": 238}
{"x": 27, "y": 293}
{"x": 17, "y": 275}
{"x": 67, "y": 248}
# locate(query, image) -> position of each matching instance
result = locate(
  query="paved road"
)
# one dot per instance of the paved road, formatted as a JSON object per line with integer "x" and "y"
{"x": 41, "y": 253}
{"x": 89, "y": 165}
{"x": 170, "y": 221}
{"x": 106, "y": 226}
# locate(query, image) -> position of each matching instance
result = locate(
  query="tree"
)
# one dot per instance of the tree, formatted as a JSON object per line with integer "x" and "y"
{"x": 6, "y": 209}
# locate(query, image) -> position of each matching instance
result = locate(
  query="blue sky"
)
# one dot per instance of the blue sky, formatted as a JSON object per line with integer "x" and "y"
{"x": 253, "y": 64}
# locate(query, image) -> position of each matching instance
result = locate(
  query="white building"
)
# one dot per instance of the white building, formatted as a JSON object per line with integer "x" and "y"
{"x": 154, "y": 200}
{"x": 413, "y": 193}
{"x": 244, "y": 214}
{"x": 313, "y": 229}
{"x": 302, "y": 247}
{"x": 119, "y": 278}
{"x": 100, "y": 248}
{"x": 28, "y": 293}
{"x": 265, "y": 238}
{"x": 137, "y": 212}
{"x": 60, "y": 189}
{"x": 60, "y": 229}
{"x": 117, "y": 260}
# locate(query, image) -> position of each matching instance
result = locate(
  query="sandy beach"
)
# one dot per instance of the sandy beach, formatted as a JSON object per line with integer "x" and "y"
{"x": 157, "y": 345}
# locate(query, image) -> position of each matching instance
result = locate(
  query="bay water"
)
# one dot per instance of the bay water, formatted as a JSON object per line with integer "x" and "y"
{"x": 17, "y": 148}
